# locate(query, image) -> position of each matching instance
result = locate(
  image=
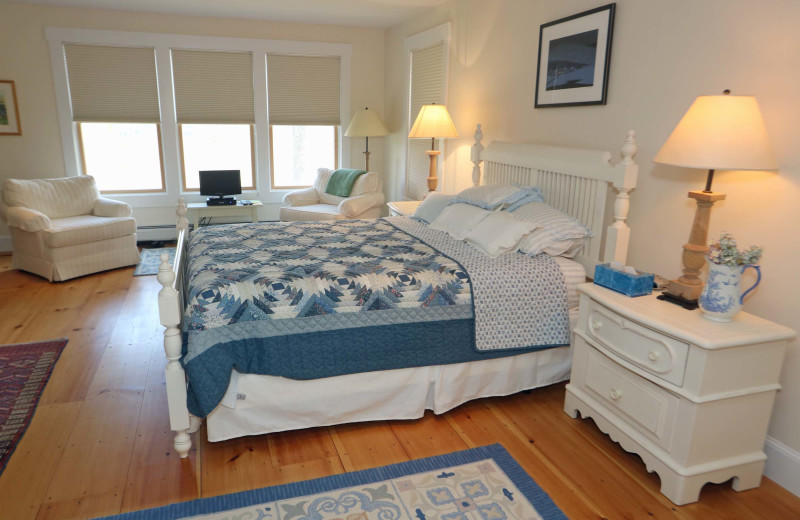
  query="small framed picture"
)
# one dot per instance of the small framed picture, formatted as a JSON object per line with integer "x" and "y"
{"x": 574, "y": 54}
{"x": 9, "y": 112}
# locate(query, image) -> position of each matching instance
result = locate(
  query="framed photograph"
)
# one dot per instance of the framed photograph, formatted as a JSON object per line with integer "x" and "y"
{"x": 574, "y": 53}
{"x": 9, "y": 113}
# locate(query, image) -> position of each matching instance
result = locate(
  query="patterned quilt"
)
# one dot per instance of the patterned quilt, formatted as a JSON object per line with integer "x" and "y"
{"x": 313, "y": 299}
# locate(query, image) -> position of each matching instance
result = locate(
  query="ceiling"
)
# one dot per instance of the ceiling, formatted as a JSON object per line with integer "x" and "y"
{"x": 355, "y": 13}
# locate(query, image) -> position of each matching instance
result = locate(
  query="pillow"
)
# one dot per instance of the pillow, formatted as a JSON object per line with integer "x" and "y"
{"x": 566, "y": 248}
{"x": 431, "y": 207}
{"x": 491, "y": 196}
{"x": 533, "y": 194}
{"x": 459, "y": 219}
{"x": 499, "y": 233}
{"x": 555, "y": 227}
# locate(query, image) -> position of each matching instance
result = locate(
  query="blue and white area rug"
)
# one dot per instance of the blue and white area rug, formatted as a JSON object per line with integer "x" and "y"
{"x": 480, "y": 484}
{"x": 150, "y": 259}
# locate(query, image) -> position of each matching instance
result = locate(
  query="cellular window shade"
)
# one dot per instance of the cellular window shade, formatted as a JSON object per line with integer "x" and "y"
{"x": 427, "y": 85}
{"x": 303, "y": 90}
{"x": 213, "y": 86}
{"x": 112, "y": 84}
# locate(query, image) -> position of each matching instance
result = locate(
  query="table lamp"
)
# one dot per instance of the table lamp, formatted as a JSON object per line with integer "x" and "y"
{"x": 716, "y": 133}
{"x": 433, "y": 122}
{"x": 366, "y": 123}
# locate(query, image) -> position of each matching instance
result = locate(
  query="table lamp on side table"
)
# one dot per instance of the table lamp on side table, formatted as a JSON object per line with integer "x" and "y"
{"x": 716, "y": 133}
{"x": 366, "y": 123}
{"x": 433, "y": 121}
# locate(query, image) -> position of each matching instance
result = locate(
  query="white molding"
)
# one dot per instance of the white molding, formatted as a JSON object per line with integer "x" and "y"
{"x": 783, "y": 465}
{"x": 163, "y": 43}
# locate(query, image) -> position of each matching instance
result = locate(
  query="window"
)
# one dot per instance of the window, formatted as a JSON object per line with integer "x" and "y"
{"x": 214, "y": 109}
{"x": 304, "y": 122}
{"x": 114, "y": 102}
{"x": 216, "y": 147}
{"x": 427, "y": 83}
{"x": 145, "y": 112}
{"x": 122, "y": 157}
{"x": 298, "y": 151}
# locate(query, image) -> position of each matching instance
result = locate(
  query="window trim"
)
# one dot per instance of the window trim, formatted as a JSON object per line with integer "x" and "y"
{"x": 82, "y": 150}
{"x": 253, "y": 186}
{"x": 163, "y": 44}
{"x": 336, "y": 133}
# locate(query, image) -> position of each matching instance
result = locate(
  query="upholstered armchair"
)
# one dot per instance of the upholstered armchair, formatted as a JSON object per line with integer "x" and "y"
{"x": 365, "y": 201}
{"x": 63, "y": 228}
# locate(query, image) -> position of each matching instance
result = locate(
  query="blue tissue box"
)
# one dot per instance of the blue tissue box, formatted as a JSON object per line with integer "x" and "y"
{"x": 625, "y": 283}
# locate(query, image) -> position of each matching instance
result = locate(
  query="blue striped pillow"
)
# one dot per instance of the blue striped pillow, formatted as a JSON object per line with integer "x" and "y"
{"x": 554, "y": 226}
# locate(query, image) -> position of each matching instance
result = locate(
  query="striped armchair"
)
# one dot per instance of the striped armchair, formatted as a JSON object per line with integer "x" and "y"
{"x": 63, "y": 228}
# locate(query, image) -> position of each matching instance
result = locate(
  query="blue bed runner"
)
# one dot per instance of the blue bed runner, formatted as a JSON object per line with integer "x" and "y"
{"x": 319, "y": 299}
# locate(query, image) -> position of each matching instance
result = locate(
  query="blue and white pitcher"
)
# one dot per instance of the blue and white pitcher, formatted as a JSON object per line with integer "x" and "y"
{"x": 720, "y": 299}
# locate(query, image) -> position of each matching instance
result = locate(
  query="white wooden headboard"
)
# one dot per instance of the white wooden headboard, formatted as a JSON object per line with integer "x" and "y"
{"x": 573, "y": 180}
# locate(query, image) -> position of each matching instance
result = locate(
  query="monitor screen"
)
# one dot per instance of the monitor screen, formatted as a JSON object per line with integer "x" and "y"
{"x": 220, "y": 182}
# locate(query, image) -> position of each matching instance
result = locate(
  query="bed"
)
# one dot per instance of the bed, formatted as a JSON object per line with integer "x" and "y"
{"x": 427, "y": 363}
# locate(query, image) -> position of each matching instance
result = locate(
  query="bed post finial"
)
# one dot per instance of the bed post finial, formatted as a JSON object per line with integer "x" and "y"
{"x": 183, "y": 222}
{"x": 629, "y": 148}
{"x": 619, "y": 233}
{"x": 475, "y": 156}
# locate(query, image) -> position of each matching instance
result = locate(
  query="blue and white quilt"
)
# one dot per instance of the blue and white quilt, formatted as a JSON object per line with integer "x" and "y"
{"x": 308, "y": 300}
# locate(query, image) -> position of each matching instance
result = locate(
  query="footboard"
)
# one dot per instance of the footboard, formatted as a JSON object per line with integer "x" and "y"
{"x": 170, "y": 311}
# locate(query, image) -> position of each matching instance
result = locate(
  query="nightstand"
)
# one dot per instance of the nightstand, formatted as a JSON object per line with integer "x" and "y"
{"x": 403, "y": 207}
{"x": 692, "y": 397}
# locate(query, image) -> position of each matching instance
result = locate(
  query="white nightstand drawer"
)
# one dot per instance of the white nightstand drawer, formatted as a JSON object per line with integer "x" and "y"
{"x": 661, "y": 355}
{"x": 642, "y": 404}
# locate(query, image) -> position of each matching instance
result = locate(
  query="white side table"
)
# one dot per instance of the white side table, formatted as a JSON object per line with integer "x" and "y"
{"x": 691, "y": 396}
{"x": 200, "y": 210}
{"x": 403, "y": 207}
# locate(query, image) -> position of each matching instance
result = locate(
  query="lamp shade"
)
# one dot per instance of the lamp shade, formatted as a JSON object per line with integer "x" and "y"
{"x": 366, "y": 123}
{"x": 720, "y": 133}
{"x": 433, "y": 121}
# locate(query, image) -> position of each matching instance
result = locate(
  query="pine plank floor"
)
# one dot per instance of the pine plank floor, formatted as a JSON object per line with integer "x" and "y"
{"x": 100, "y": 442}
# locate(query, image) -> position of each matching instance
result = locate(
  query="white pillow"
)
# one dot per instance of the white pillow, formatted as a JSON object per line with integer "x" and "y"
{"x": 459, "y": 219}
{"x": 491, "y": 196}
{"x": 567, "y": 248}
{"x": 555, "y": 227}
{"x": 499, "y": 233}
{"x": 431, "y": 207}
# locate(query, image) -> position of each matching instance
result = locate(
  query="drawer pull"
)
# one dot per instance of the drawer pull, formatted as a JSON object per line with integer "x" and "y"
{"x": 653, "y": 355}
{"x": 596, "y": 324}
{"x": 615, "y": 394}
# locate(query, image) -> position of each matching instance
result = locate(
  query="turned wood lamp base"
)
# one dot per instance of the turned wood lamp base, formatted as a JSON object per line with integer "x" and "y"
{"x": 686, "y": 289}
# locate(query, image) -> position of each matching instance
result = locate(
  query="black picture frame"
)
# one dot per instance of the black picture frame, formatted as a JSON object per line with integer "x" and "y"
{"x": 574, "y": 58}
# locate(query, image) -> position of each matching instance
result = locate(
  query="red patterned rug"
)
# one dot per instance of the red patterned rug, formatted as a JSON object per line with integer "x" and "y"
{"x": 24, "y": 371}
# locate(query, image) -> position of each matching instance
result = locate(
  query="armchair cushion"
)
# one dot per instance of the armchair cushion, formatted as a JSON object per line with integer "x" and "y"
{"x": 26, "y": 219}
{"x": 355, "y": 206}
{"x": 304, "y": 197}
{"x": 111, "y": 208}
{"x": 70, "y": 231}
{"x": 56, "y": 198}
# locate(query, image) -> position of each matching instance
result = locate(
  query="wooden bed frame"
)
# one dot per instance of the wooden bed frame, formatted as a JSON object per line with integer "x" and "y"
{"x": 578, "y": 182}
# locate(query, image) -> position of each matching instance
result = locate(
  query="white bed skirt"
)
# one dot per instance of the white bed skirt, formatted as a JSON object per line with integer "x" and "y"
{"x": 265, "y": 404}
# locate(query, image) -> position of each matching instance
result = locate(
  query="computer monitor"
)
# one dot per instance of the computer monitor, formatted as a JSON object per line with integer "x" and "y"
{"x": 220, "y": 183}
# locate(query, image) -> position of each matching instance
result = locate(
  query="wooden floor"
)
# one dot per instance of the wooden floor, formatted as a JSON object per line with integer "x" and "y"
{"x": 100, "y": 443}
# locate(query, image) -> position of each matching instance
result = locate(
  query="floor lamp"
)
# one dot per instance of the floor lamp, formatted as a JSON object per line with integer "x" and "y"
{"x": 433, "y": 122}
{"x": 366, "y": 123}
{"x": 716, "y": 133}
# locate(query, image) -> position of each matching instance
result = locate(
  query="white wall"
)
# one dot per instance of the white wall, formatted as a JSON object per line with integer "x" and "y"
{"x": 664, "y": 55}
{"x": 25, "y": 59}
